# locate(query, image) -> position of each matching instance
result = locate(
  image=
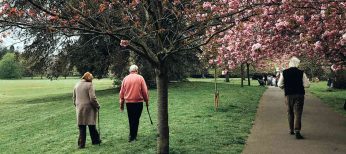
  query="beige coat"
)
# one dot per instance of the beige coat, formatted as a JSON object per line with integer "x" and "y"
{"x": 85, "y": 102}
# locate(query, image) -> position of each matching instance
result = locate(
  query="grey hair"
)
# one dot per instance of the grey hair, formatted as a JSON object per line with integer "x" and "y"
{"x": 294, "y": 62}
{"x": 133, "y": 68}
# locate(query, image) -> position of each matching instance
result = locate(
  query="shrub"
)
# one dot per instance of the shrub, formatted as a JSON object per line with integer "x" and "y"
{"x": 10, "y": 68}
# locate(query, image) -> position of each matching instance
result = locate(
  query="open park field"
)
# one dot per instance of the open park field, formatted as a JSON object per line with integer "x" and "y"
{"x": 37, "y": 116}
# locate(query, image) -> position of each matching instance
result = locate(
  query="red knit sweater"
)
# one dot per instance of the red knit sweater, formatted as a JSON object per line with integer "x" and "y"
{"x": 133, "y": 89}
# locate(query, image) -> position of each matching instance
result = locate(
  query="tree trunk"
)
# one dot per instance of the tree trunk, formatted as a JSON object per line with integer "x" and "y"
{"x": 227, "y": 77}
{"x": 162, "y": 100}
{"x": 242, "y": 74}
{"x": 248, "y": 74}
{"x": 216, "y": 93}
{"x": 312, "y": 75}
{"x": 340, "y": 79}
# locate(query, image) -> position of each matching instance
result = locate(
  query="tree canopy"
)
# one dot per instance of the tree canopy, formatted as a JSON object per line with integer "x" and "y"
{"x": 10, "y": 67}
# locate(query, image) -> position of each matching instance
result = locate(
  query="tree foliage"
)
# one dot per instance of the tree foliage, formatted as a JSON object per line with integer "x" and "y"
{"x": 38, "y": 55}
{"x": 10, "y": 67}
{"x": 94, "y": 54}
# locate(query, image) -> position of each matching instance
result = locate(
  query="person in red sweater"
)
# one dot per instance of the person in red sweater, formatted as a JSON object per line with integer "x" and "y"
{"x": 133, "y": 93}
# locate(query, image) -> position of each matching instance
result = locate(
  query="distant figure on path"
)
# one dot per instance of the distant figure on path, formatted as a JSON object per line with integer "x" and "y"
{"x": 265, "y": 78}
{"x": 293, "y": 81}
{"x": 133, "y": 92}
{"x": 270, "y": 80}
{"x": 260, "y": 82}
{"x": 87, "y": 107}
{"x": 274, "y": 81}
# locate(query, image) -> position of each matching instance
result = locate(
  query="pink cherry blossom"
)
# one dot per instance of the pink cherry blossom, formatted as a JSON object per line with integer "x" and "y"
{"x": 124, "y": 43}
{"x": 256, "y": 46}
{"x": 206, "y": 5}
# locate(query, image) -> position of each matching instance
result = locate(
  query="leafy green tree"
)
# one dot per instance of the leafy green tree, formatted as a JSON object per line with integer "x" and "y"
{"x": 12, "y": 48}
{"x": 63, "y": 64}
{"x": 37, "y": 55}
{"x": 3, "y": 51}
{"x": 96, "y": 54}
{"x": 10, "y": 68}
{"x": 313, "y": 67}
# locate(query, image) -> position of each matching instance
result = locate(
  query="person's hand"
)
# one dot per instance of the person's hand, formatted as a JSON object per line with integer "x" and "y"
{"x": 121, "y": 107}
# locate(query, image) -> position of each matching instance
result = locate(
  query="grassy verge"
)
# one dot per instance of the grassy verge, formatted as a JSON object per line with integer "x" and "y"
{"x": 38, "y": 117}
{"x": 335, "y": 98}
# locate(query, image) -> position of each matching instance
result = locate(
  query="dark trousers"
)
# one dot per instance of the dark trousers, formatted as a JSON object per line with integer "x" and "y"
{"x": 134, "y": 111}
{"x": 94, "y": 135}
{"x": 295, "y": 104}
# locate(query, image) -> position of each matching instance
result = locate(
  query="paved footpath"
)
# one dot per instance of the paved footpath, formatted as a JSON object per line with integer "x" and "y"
{"x": 324, "y": 130}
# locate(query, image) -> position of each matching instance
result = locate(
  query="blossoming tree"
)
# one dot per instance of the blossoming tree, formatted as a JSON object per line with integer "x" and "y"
{"x": 153, "y": 29}
{"x": 312, "y": 29}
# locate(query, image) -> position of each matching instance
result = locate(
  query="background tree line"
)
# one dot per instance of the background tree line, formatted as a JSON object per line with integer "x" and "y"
{"x": 96, "y": 54}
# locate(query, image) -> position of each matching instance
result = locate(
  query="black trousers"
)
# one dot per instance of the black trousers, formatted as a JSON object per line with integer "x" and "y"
{"x": 94, "y": 135}
{"x": 134, "y": 111}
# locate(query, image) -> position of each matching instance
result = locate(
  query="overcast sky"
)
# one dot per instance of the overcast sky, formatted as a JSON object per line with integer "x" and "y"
{"x": 8, "y": 41}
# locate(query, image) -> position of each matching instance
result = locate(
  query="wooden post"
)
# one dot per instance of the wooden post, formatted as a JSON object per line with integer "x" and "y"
{"x": 216, "y": 95}
{"x": 248, "y": 73}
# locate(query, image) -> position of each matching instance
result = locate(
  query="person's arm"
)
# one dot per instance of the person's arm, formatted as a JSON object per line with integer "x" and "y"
{"x": 306, "y": 82}
{"x": 281, "y": 81}
{"x": 145, "y": 92}
{"x": 92, "y": 97}
{"x": 121, "y": 95}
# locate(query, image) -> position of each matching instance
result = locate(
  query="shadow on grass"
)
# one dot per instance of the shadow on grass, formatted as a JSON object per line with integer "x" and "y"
{"x": 64, "y": 97}
{"x": 229, "y": 108}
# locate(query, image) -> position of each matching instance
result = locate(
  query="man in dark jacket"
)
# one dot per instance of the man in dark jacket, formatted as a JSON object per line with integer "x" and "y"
{"x": 293, "y": 81}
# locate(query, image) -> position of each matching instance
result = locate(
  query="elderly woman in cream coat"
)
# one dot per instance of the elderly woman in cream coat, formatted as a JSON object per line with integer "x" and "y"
{"x": 87, "y": 107}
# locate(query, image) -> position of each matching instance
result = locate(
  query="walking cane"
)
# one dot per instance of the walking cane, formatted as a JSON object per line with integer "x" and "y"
{"x": 149, "y": 115}
{"x": 98, "y": 121}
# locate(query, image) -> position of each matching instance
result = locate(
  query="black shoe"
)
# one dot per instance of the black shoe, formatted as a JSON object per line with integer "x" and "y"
{"x": 81, "y": 143}
{"x": 298, "y": 136}
{"x": 131, "y": 140}
{"x": 291, "y": 132}
{"x": 99, "y": 142}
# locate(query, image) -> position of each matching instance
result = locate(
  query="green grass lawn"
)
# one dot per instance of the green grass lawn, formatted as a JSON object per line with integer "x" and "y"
{"x": 335, "y": 98}
{"x": 37, "y": 116}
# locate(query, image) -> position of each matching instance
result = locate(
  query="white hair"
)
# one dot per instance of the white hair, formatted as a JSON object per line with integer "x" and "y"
{"x": 133, "y": 68}
{"x": 294, "y": 62}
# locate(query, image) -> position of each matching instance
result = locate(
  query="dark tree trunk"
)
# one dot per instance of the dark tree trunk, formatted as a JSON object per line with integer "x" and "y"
{"x": 227, "y": 77}
{"x": 242, "y": 74}
{"x": 248, "y": 74}
{"x": 340, "y": 79}
{"x": 312, "y": 75}
{"x": 162, "y": 100}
